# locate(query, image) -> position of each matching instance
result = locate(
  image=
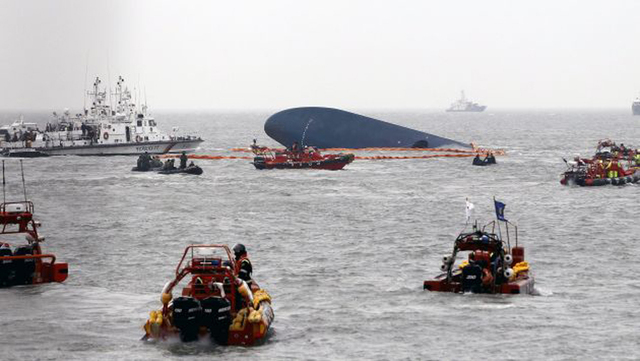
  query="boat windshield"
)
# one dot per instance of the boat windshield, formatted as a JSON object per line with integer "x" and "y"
{"x": 209, "y": 252}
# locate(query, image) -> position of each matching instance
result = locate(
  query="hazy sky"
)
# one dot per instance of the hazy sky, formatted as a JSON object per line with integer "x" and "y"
{"x": 350, "y": 54}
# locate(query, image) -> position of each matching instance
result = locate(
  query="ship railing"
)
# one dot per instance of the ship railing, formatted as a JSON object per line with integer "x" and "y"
{"x": 17, "y": 207}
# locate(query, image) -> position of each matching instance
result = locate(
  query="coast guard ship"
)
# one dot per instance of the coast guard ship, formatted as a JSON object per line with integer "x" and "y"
{"x": 464, "y": 105}
{"x": 126, "y": 129}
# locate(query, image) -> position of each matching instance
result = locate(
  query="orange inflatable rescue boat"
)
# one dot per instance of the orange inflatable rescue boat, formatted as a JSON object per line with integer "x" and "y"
{"x": 492, "y": 264}
{"x": 214, "y": 302}
{"x": 25, "y": 264}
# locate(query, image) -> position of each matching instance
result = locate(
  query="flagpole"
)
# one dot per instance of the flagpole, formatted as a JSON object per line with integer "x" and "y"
{"x": 497, "y": 219}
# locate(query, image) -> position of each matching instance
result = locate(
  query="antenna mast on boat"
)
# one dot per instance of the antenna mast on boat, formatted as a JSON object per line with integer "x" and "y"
{"x": 497, "y": 219}
{"x": 4, "y": 192}
{"x": 24, "y": 186}
{"x": 84, "y": 97}
{"x": 109, "y": 83}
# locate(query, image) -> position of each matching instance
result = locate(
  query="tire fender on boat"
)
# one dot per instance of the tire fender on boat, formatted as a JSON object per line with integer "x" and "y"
{"x": 105, "y": 135}
{"x": 508, "y": 259}
{"x": 138, "y": 139}
{"x": 508, "y": 273}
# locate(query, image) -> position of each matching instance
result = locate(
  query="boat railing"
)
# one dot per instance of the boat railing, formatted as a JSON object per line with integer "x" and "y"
{"x": 189, "y": 255}
{"x": 29, "y": 256}
{"x": 263, "y": 151}
{"x": 17, "y": 207}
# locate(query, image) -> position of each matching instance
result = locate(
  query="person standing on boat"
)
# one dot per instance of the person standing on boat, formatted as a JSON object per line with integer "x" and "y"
{"x": 472, "y": 276}
{"x": 607, "y": 168}
{"x": 183, "y": 160}
{"x": 145, "y": 160}
{"x": 243, "y": 264}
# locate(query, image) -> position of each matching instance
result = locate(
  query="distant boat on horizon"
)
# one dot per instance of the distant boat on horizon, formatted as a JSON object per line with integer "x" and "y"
{"x": 465, "y": 105}
{"x": 635, "y": 106}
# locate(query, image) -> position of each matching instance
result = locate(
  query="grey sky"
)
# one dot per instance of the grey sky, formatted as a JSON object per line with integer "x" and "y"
{"x": 350, "y": 54}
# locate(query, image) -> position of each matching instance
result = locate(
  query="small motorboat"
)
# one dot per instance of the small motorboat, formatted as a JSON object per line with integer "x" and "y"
{"x": 192, "y": 169}
{"x": 25, "y": 264}
{"x": 492, "y": 265}
{"x": 309, "y": 157}
{"x": 214, "y": 302}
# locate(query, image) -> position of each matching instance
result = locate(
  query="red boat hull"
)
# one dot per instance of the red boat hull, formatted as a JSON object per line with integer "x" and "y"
{"x": 331, "y": 162}
{"x": 521, "y": 285}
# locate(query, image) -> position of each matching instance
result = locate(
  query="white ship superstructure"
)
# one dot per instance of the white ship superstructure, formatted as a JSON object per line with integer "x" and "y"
{"x": 102, "y": 130}
{"x": 465, "y": 105}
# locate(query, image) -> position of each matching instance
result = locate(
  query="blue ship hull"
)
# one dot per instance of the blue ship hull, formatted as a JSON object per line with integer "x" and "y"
{"x": 334, "y": 128}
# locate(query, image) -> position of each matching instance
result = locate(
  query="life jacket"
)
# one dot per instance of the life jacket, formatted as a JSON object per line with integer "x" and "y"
{"x": 244, "y": 268}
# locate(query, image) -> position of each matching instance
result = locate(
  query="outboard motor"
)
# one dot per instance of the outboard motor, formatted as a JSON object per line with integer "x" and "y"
{"x": 6, "y": 267}
{"x": 216, "y": 317}
{"x": 186, "y": 317}
{"x": 472, "y": 278}
{"x": 24, "y": 268}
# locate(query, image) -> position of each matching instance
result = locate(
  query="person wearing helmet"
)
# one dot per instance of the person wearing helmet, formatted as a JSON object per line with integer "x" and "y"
{"x": 243, "y": 264}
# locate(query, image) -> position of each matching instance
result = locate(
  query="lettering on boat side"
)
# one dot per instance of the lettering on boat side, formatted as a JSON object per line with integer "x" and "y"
{"x": 147, "y": 147}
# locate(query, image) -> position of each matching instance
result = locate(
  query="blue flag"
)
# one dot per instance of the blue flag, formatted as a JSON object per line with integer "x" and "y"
{"x": 500, "y": 211}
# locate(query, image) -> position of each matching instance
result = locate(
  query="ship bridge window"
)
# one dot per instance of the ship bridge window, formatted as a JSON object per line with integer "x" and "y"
{"x": 139, "y": 123}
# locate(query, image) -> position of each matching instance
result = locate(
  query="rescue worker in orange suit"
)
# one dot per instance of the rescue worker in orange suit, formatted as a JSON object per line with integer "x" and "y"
{"x": 243, "y": 264}
{"x": 600, "y": 173}
{"x": 487, "y": 277}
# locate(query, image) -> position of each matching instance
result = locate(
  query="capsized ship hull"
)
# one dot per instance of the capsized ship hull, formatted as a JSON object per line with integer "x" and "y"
{"x": 335, "y": 128}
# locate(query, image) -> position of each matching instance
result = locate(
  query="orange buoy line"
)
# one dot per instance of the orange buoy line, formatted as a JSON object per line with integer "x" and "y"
{"x": 382, "y": 157}
{"x": 450, "y": 153}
